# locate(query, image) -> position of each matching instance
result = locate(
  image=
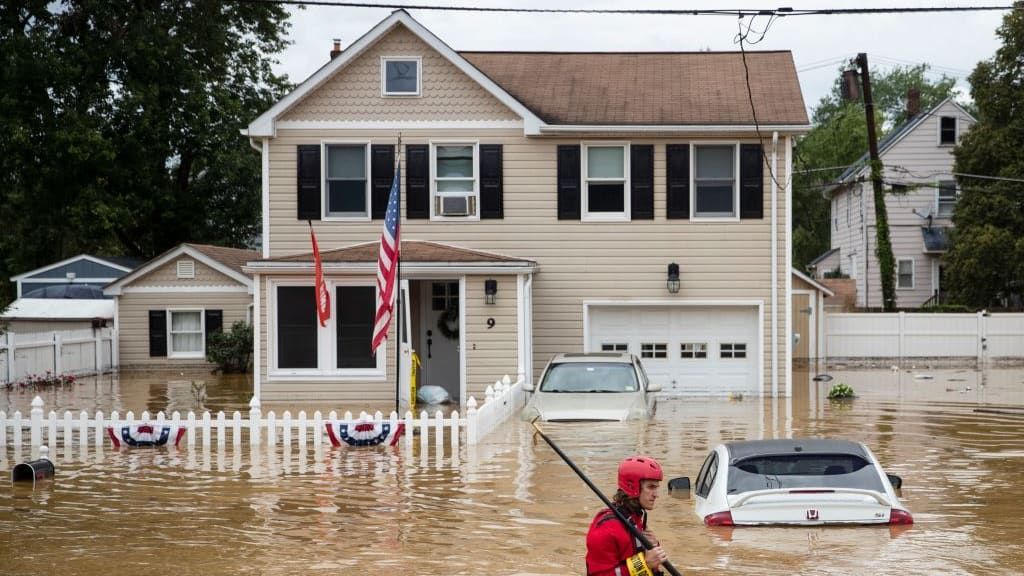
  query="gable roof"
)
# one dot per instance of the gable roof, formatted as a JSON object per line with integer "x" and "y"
{"x": 649, "y": 88}
{"x": 814, "y": 283}
{"x": 566, "y": 92}
{"x": 891, "y": 139}
{"x": 228, "y": 261}
{"x": 119, "y": 263}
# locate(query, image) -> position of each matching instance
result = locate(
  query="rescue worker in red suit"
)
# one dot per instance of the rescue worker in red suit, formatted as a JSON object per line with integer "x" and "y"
{"x": 611, "y": 548}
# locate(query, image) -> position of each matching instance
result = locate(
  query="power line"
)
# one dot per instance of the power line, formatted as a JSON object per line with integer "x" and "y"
{"x": 735, "y": 12}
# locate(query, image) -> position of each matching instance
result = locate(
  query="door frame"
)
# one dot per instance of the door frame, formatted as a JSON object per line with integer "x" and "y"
{"x": 461, "y": 277}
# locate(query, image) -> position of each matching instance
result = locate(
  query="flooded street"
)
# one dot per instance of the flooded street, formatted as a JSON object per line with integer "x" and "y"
{"x": 510, "y": 505}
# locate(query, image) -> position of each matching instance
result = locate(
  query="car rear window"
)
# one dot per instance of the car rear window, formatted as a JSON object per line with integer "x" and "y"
{"x": 590, "y": 377}
{"x": 802, "y": 471}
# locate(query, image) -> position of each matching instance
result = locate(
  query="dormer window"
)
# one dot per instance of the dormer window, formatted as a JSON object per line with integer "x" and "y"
{"x": 947, "y": 130}
{"x": 400, "y": 76}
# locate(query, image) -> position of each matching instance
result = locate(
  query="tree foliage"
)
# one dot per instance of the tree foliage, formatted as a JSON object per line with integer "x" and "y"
{"x": 839, "y": 137}
{"x": 119, "y": 124}
{"x": 985, "y": 265}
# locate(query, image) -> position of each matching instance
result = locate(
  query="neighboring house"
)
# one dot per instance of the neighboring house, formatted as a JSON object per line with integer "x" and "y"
{"x": 77, "y": 271}
{"x": 547, "y": 200}
{"x": 167, "y": 308}
{"x": 34, "y": 315}
{"x": 921, "y": 194}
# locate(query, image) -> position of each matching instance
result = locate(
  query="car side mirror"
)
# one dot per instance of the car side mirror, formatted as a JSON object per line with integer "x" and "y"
{"x": 896, "y": 481}
{"x": 528, "y": 386}
{"x": 652, "y": 387}
{"x": 681, "y": 484}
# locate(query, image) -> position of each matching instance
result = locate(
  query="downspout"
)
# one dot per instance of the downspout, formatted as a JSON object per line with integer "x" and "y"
{"x": 528, "y": 329}
{"x": 775, "y": 268}
{"x": 788, "y": 269}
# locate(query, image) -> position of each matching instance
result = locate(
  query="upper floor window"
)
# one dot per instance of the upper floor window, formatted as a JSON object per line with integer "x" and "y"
{"x": 946, "y": 200}
{"x": 400, "y": 76}
{"x": 456, "y": 188}
{"x": 947, "y": 130}
{"x": 606, "y": 181}
{"x": 347, "y": 189}
{"x": 715, "y": 181}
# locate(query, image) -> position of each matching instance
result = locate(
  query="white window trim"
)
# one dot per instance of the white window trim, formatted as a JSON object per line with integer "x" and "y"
{"x": 586, "y": 215}
{"x": 202, "y": 329}
{"x": 913, "y": 274}
{"x": 326, "y": 341}
{"x": 938, "y": 192}
{"x": 475, "y": 194}
{"x": 956, "y": 131}
{"x": 325, "y": 189}
{"x": 735, "y": 182}
{"x": 384, "y": 77}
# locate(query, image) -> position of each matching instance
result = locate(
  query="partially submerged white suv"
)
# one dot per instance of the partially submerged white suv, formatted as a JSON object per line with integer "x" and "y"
{"x": 592, "y": 387}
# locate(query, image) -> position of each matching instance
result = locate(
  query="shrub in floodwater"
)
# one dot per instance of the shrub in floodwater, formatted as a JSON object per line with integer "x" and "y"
{"x": 231, "y": 351}
{"x": 840, "y": 390}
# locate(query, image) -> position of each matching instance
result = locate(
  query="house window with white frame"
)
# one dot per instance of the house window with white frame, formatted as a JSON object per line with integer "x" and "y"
{"x": 347, "y": 189}
{"x": 606, "y": 182}
{"x": 185, "y": 334}
{"x": 905, "y": 273}
{"x": 946, "y": 198}
{"x": 401, "y": 76}
{"x": 715, "y": 181}
{"x": 456, "y": 187}
{"x": 947, "y": 130}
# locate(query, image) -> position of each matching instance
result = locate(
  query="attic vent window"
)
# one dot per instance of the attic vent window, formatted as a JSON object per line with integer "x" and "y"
{"x": 400, "y": 76}
{"x": 186, "y": 269}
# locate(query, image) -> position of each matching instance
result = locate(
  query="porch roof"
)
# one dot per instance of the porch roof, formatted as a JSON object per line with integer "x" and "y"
{"x": 416, "y": 254}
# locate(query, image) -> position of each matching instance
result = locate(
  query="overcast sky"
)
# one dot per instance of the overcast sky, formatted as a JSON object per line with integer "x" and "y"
{"x": 952, "y": 43}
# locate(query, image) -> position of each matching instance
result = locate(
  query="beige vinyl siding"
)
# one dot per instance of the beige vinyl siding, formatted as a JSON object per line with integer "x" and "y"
{"x": 577, "y": 260}
{"x": 133, "y": 320}
{"x": 167, "y": 275}
{"x": 354, "y": 93}
{"x": 491, "y": 353}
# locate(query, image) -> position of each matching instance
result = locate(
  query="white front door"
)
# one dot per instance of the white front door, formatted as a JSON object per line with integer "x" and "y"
{"x": 687, "y": 349}
{"x": 438, "y": 351}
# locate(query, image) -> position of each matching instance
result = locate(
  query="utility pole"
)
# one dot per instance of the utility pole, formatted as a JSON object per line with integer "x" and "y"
{"x": 883, "y": 247}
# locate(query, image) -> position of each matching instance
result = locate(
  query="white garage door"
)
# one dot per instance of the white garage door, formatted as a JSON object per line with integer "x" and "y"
{"x": 688, "y": 349}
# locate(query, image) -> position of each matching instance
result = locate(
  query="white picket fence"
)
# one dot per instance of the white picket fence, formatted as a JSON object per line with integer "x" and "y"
{"x": 502, "y": 400}
{"x": 923, "y": 335}
{"x": 86, "y": 351}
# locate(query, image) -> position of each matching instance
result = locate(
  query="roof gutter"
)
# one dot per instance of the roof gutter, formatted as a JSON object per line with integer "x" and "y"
{"x": 672, "y": 128}
{"x": 407, "y": 268}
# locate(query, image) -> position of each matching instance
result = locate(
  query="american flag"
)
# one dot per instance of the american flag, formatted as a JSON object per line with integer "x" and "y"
{"x": 387, "y": 266}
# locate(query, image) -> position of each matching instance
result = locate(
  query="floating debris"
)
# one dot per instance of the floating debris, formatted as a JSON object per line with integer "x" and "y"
{"x": 822, "y": 378}
{"x": 923, "y": 377}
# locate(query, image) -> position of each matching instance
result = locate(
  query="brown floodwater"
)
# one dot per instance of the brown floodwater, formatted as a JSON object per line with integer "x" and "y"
{"x": 510, "y": 505}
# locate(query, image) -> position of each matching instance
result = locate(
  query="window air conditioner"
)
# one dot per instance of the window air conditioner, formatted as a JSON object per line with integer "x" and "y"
{"x": 456, "y": 205}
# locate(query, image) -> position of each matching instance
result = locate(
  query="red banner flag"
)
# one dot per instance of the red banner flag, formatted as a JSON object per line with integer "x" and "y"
{"x": 323, "y": 296}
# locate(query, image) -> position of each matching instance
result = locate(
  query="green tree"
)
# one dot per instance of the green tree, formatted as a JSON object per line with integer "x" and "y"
{"x": 119, "y": 124}
{"x": 838, "y": 137}
{"x": 986, "y": 262}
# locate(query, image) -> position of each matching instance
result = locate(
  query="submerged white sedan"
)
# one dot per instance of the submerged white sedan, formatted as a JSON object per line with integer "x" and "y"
{"x": 592, "y": 387}
{"x": 795, "y": 482}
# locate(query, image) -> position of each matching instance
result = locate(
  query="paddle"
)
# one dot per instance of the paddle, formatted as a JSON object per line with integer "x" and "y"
{"x": 666, "y": 565}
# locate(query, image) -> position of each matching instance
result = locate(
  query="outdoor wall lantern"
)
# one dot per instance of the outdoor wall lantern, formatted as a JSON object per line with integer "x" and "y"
{"x": 673, "y": 278}
{"x": 490, "y": 290}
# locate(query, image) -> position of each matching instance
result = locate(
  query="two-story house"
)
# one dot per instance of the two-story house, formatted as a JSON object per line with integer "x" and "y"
{"x": 550, "y": 202}
{"x": 921, "y": 194}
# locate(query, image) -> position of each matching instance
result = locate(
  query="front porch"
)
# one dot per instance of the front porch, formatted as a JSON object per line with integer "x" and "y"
{"x": 465, "y": 318}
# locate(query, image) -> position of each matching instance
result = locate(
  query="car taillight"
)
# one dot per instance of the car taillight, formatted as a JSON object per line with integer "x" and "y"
{"x": 719, "y": 519}
{"x": 897, "y": 516}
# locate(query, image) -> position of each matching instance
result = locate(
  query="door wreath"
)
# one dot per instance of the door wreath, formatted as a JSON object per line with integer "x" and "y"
{"x": 448, "y": 323}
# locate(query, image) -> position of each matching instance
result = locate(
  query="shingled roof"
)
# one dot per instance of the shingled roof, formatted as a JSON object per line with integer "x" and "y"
{"x": 233, "y": 257}
{"x": 649, "y": 88}
{"x": 413, "y": 251}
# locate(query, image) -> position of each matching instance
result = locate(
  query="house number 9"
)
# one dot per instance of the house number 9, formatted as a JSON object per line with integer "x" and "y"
{"x": 490, "y": 323}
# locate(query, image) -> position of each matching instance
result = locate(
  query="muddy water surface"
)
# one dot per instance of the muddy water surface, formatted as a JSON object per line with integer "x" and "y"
{"x": 509, "y": 505}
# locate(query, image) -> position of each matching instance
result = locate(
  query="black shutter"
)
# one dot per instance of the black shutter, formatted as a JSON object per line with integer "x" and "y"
{"x": 641, "y": 178}
{"x": 751, "y": 181}
{"x": 214, "y": 323}
{"x": 417, "y": 181}
{"x": 568, "y": 182}
{"x": 308, "y": 169}
{"x": 382, "y": 174}
{"x": 158, "y": 333}
{"x": 677, "y": 166}
{"x": 491, "y": 181}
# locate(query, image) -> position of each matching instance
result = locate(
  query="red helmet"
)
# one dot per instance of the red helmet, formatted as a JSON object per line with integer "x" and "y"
{"x": 637, "y": 468}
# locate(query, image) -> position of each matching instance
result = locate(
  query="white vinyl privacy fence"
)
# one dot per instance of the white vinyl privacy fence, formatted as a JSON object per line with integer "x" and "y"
{"x": 922, "y": 335}
{"x": 86, "y": 351}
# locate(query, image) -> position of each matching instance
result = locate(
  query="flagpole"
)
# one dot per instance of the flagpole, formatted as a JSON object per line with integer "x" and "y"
{"x": 398, "y": 291}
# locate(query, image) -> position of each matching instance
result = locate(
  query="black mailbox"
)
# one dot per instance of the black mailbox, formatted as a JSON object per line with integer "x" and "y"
{"x": 34, "y": 471}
